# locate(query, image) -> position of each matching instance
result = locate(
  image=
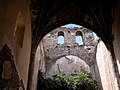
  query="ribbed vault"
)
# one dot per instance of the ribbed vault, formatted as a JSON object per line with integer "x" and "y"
{"x": 93, "y": 14}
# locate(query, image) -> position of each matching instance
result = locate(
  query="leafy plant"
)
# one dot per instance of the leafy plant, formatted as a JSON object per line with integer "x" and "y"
{"x": 75, "y": 81}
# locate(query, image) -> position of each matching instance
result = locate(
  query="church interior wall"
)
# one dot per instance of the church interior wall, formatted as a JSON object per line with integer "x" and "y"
{"x": 10, "y": 23}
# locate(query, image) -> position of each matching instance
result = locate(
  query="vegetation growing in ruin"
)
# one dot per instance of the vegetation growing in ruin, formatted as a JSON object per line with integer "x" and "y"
{"x": 75, "y": 81}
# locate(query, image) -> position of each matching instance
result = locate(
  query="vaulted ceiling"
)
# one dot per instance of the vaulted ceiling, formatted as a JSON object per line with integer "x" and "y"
{"x": 47, "y": 15}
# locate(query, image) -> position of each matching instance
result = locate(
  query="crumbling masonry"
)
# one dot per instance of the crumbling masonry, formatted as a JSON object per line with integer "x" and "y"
{"x": 87, "y": 51}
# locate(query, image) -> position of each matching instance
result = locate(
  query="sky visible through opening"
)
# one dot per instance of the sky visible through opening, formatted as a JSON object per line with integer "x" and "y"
{"x": 78, "y": 38}
{"x": 60, "y": 40}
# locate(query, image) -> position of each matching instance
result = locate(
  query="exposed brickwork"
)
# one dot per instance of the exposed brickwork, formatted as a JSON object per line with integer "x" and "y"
{"x": 9, "y": 78}
{"x": 62, "y": 50}
{"x": 54, "y": 51}
{"x": 51, "y": 39}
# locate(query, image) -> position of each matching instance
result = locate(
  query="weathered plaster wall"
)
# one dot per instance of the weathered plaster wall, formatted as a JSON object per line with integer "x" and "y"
{"x": 105, "y": 66}
{"x": 15, "y": 31}
{"x": 24, "y": 53}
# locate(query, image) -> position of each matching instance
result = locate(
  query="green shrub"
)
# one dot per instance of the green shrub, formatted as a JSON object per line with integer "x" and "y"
{"x": 75, "y": 81}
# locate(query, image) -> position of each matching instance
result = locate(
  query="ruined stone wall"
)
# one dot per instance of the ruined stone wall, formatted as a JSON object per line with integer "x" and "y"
{"x": 54, "y": 51}
{"x": 106, "y": 69}
{"x": 86, "y": 52}
{"x": 9, "y": 76}
{"x": 62, "y": 50}
{"x": 15, "y": 32}
{"x": 68, "y": 64}
{"x": 51, "y": 39}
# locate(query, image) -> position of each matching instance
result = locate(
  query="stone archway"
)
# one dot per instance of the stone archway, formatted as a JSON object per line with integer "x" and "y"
{"x": 48, "y": 16}
{"x": 68, "y": 64}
